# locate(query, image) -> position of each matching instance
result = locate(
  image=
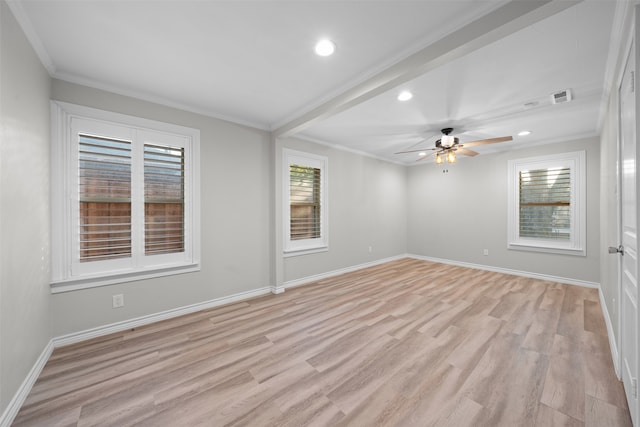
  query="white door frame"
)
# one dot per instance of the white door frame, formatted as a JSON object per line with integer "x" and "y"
{"x": 631, "y": 42}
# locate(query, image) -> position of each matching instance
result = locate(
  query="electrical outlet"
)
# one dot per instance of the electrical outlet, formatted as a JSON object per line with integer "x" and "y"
{"x": 370, "y": 249}
{"x": 485, "y": 252}
{"x": 118, "y": 300}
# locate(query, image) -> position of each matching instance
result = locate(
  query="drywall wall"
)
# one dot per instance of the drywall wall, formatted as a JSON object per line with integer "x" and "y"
{"x": 24, "y": 209}
{"x": 458, "y": 214}
{"x": 236, "y": 216}
{"x": 367, "y": 209}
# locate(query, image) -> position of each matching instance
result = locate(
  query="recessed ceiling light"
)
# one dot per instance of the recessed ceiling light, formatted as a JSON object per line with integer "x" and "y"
{"x": 325, "y": 47}
{"x": 524, "y": 133}
{"x": 405, "y": 95}
{"x": 422, "y": 154}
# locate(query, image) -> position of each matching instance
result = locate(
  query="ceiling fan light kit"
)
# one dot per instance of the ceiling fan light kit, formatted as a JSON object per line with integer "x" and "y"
{"x": 451, "y": 156}
{"x": 447, "y": 141}
{"x": 448, "y": 144}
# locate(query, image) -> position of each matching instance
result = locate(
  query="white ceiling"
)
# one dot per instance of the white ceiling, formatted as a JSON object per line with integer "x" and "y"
{"x": 471, "y": 64}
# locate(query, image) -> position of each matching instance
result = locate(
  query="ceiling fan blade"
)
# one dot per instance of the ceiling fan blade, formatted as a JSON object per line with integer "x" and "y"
{"x": 415, "y": 151}
{"x": 487, "y": 141}
{"x": 466, "y": 152}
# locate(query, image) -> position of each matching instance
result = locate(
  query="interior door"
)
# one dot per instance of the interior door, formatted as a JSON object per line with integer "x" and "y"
{"x": 629, "y": 231}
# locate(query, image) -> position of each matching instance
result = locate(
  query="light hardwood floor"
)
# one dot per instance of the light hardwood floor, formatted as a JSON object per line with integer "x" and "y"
{"x": 406, "y": 343}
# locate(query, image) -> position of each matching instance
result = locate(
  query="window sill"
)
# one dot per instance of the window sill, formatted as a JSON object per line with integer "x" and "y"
{"x": 298, "y": 252}
{"x": 546, "y": 249}
{"x": 78, "y": 283}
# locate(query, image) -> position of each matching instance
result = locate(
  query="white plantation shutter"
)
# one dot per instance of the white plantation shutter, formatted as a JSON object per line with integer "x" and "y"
{"x": 545, "y": 203}
{"x": 163, "y": 199}
{"x": 125, "y": 198}
{"x": 304, "y": 195}
{"x": 104, "y": 197}
{"x": 304, "y": 203}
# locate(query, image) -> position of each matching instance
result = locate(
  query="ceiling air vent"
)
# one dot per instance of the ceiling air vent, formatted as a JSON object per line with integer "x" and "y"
{"x": 561, "y": 96}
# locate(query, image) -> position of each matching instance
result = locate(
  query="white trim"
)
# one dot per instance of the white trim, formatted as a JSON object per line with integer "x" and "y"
{"x": 312, "y": 245}
{"x": 621, "y": 19}
{"x": 306, "y": 280}
{"x": 320, "y": 249}
{"x": 529, "y": 274}
{"x": 576, "y": 162}
{"x": 612, "y": 337}
{"x": 104, "y": 280}
{"x": 126, "y": 119}
{"x": 70, "y": 78}
{"x": 67, "y": 273}
{"x": 533, "y": 247}
{"x": 23, "y": 391}
{"x": 347, "y": 149}
{"x": 99, "y": 331}
{"x": 276, "y": 290}
{"x": 626, "y": 24}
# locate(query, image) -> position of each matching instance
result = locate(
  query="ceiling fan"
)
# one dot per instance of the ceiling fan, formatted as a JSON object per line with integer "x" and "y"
{"x": 448, "y": 145}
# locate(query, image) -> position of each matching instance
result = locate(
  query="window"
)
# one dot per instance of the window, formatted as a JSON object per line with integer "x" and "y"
{"x": 125, "y": 202}
{"x": 547, "y": 203}
{"x": 104, "y": 191}
{"x": 305, "y": 203}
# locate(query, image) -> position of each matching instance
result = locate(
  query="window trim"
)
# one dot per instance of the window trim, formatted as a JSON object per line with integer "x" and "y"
{"x": 312, "y": 245}
{"x": 576, "y": 245}
{"x": 64, "y": 275}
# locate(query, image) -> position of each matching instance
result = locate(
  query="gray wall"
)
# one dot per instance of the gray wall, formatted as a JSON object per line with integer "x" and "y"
{"x": 456, "y": 215}
{"x": 367, "y": 207}
{"x": 236, "y": 217}
{"x": 24, "y": 207}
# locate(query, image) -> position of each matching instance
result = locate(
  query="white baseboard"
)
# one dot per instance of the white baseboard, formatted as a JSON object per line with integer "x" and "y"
{"x": 612, "y": 338}
{"x": 156, "y": 317}
{"x": 321, "y": 276}
{"x": 529, "y": 274}
{"x": 16, "y": 403}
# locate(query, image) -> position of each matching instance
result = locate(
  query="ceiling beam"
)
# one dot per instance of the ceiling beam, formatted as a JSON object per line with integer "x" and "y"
{"x": 503, "y": 21}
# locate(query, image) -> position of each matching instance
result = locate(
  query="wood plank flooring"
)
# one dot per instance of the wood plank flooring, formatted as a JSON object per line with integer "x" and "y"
{"x": 406, "y": 343}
